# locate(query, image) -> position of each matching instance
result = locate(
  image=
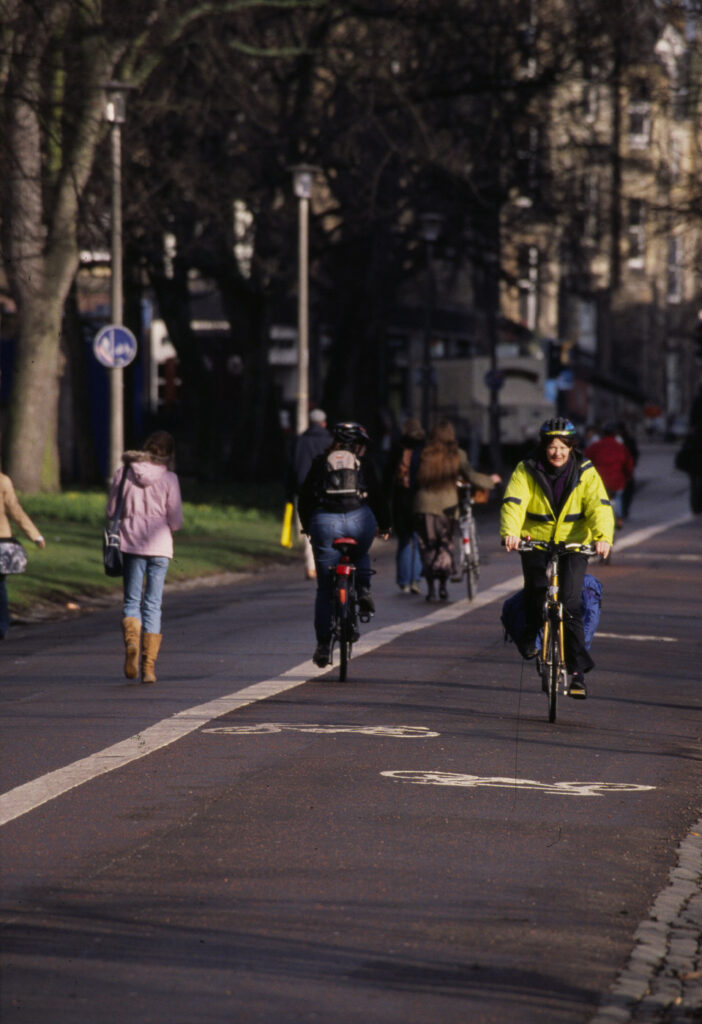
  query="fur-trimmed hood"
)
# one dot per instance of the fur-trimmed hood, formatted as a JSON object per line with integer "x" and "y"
{"x": 157, "y": 460}
{"x": 146, "y": 467}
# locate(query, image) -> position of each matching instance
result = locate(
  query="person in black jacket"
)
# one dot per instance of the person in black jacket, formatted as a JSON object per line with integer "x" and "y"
{"x": 308, "y": 445}
{"x": 400, "y": 485}
{"x": 347, "y": 501}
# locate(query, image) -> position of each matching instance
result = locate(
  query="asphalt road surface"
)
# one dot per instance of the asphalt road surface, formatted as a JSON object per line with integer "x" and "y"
{"x": 250, "y": 840}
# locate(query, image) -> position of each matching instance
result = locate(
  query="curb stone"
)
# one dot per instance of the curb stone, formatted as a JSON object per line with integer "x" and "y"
{"x": 662, "y": 980}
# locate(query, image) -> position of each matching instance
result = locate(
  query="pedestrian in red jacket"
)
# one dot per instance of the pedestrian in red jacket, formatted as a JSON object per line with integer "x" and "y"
{"x": 613, "y": 461}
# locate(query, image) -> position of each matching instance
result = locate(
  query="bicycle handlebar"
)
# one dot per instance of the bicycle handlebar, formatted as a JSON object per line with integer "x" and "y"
{"x": 556, "y": 546}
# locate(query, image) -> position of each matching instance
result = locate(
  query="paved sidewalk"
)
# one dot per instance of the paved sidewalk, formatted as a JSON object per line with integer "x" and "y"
{"x": 662, "y": 981}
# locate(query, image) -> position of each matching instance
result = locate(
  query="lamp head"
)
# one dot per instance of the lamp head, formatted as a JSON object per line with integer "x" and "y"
{"x": 431, "y": 226}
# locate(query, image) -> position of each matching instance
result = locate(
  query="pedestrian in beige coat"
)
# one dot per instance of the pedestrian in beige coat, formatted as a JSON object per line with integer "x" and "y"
{"x": 441, "y": 465}
{"x": 10, "y": 509}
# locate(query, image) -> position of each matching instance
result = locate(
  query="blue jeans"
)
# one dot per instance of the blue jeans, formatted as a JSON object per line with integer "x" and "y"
{"x": 144, "y": 602}
{"x": 408, "y": 559}
{"x": 4, "y": 609}
{"x": 618, "y": 504}
{"x": 324, "y": 527}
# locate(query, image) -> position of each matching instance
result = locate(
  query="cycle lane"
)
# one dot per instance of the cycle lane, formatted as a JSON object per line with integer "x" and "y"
{"x": 427, "y": 826}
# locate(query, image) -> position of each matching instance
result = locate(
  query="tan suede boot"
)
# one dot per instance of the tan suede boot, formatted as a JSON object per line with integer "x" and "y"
{"x": 150, "y": 645}
{"x": 131, "y": 630}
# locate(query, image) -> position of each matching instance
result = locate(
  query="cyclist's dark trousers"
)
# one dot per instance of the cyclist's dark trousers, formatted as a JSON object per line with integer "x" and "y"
{"x": 572, "y": 569}
{"x": 324, "y": 527}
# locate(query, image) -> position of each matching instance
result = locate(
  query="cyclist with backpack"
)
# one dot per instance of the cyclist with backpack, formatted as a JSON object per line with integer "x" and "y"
{"x": 341, "y": 497}
{"x": 557, "y": 494}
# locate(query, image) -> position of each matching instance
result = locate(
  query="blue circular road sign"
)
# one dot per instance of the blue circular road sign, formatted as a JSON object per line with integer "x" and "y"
{"x": 114, "y": 346}
{"x": 494, "y": 380}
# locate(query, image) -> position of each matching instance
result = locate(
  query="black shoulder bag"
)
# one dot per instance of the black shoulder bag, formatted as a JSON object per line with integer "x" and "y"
{"x": 111, "y": 554}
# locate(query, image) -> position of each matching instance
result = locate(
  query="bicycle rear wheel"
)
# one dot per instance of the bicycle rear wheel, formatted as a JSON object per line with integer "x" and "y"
{"x": 344, "y": 653}
{"x": 345, "y": 618}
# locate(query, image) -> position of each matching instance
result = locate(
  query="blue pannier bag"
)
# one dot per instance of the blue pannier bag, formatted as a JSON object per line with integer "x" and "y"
{"x": 513, "y": 616}
{"x": 590, "y": 605}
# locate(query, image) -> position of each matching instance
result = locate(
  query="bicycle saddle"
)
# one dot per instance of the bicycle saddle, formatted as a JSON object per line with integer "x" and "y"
{"x": 345, "y": 545}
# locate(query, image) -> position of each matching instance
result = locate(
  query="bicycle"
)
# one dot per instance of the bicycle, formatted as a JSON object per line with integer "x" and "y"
{"x": 346, "y": 613}
{"x": 467, "y": 550}
{"x": 551, "y": 661}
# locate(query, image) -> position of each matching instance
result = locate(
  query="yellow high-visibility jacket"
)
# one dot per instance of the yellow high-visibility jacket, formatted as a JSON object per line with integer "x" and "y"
{"x": 586, "y": 516}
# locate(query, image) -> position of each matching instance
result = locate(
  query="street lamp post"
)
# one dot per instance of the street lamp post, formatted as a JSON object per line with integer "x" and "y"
{"x": 430, "y": 227}
{"x": 115, "y": 114}
{"x": 303, "y": 180}
{"x": 493, "y": 270}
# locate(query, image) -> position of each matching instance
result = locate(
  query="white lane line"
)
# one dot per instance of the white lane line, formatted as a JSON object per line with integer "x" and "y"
{"x": 646, "y": 532}
{"x": 30, "y": 795}
{"x": 634, "y": 636}
{"x": 666, "y": 556}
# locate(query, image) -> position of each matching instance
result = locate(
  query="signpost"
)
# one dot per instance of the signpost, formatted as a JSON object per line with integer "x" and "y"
{"x": 114, "y": 346}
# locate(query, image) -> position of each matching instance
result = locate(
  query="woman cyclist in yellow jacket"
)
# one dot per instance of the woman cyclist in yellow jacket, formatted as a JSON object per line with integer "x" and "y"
{"x": 557, "y": 494}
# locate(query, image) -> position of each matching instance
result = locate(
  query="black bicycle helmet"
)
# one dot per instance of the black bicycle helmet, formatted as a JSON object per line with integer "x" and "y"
{"x": 349, "y": 434}
{"x": 558, "y": 427}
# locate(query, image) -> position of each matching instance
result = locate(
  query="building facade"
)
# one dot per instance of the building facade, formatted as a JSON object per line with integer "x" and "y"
{"x": 609, "y": 265}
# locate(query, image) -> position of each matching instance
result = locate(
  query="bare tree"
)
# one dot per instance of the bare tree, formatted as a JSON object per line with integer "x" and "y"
{"x": 55, "y": 58}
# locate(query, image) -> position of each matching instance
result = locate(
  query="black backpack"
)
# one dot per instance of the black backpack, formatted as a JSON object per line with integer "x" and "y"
{"x": 343, "y": 476}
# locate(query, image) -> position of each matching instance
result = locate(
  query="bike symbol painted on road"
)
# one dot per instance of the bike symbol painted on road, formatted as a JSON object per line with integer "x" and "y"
{"x": 418, "y": 778}
{"x": 404, "y": 732}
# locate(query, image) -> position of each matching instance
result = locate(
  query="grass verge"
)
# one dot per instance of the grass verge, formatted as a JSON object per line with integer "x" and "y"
{"x": 216, "y": 538}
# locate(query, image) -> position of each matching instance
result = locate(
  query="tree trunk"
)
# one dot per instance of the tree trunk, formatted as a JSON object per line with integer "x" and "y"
{"x": 33, "y": 460}
{"x": 33, "y": 452}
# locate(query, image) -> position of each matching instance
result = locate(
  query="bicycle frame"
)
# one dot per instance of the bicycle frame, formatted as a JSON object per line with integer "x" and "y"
{"x": 553, "y": 640}
{"x": 469, "y": 562}
{"x": 551, "y": 662}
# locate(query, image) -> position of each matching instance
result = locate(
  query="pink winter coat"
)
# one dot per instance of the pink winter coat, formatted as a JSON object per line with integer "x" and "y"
{"x": 151, "y": 507}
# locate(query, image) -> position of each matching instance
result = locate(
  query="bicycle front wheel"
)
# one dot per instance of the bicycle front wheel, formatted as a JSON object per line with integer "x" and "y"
{"x": 550, "y": 667}
{"x": 473, "y": 566}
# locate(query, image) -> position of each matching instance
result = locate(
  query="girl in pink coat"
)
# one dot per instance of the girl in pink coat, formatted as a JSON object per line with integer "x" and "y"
{"x": 151, "y": 510}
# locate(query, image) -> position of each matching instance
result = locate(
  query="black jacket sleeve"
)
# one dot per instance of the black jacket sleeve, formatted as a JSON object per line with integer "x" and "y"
{"x": 307, "y": 498}
{"x": 376, "y": 496}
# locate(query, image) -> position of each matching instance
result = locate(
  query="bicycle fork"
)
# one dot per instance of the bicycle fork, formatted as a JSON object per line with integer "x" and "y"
{"x": 554, "y": 614}
{"x": 465, "y": 535}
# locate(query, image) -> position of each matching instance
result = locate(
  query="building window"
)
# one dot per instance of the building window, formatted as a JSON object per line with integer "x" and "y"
{"x": 636, "y": 233}
{"x": 681, "y": 91}
{"x": 590, "y": 93}
{"x": 528, "y": 284}
{"x": 639, "y": 114}
{"x": 529, "y": 166}
{"x": 587, "y": 326}
{"x": 526, "y": 38}
{"x": 675, "y": 157}
{"x": 675, "y": 269}
{"x": 591, "y": 207}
